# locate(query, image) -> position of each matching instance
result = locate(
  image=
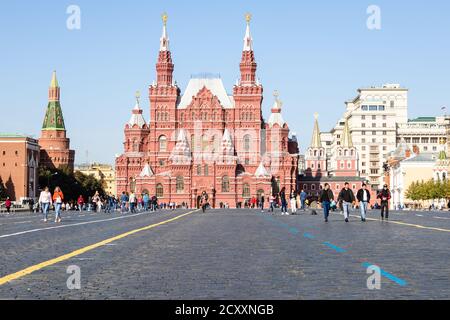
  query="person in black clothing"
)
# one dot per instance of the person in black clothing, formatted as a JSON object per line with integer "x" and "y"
{"x": 283, "y": 202}
{"x": 363, "y": 197}
{"x": 348, "y": 198}
{"x": 384, "y": 196}
{"x": 325, "y": 198}
{"x": 261, "y": 202}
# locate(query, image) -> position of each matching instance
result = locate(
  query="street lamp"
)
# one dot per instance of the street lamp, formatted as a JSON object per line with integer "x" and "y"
{"x": 48, "y": 178}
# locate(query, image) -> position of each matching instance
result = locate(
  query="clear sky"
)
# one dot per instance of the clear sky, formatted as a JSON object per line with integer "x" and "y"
{"x": 316, "y": 53}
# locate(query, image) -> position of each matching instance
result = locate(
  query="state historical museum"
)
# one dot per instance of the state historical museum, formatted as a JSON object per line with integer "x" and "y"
{"x": 206, "y": 139}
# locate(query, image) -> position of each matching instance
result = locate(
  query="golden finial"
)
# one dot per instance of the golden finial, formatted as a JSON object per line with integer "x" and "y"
{"x": 316, "y": 116}
{"x": 442, "y": 141}
{"x": 165, "y": 17}
{"x": 248, "y": 17}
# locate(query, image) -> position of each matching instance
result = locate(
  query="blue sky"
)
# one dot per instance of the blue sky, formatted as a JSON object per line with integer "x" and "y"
{"x": 316, "y": 53}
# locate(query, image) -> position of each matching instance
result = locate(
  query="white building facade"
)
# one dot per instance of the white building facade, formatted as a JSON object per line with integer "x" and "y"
{"x": 378, "y": 121}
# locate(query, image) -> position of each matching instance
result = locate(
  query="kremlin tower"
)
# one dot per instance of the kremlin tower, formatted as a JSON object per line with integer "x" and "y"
{"x": 55, "y": 146}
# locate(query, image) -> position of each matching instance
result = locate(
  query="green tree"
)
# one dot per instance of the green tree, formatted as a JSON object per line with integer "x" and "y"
{"x": 72, "y": 184}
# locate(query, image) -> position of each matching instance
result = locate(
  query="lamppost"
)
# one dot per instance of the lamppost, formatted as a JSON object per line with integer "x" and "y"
{"x": 48, "y": 178}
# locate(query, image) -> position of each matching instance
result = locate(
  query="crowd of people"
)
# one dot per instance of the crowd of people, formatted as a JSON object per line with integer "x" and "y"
{"x": 125, "y": 203}
{"x": 347, "y": 200}
{"x": 294, "y": 200}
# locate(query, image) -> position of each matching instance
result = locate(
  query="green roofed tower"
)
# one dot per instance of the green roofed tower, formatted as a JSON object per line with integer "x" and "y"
{"x": 54, "y": 119}
{"x": 55, "y": 146}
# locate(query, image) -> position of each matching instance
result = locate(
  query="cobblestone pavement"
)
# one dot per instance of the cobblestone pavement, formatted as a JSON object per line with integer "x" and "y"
{"x": 228, "y": 254}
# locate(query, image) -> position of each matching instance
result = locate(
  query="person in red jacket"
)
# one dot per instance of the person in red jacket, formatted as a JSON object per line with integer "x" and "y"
{"x": 8, "y": 205}
{"x": 80, "y": 202}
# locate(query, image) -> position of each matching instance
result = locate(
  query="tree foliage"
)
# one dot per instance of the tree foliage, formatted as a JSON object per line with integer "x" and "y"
{"x": 72, "y": 184}
{"x": 428, "y": 190}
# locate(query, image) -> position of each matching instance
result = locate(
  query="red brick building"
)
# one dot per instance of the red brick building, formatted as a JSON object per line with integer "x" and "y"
{"x": 55, "y": 146}
{"x": 206, "y": 139}
{"x": 19, "y": 161}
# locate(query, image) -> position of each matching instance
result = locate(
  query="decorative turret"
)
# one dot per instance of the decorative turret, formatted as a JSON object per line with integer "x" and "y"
{"x": 262, "y": 172}
{"x": 55, "y": 146}
{"x": 248, "y": 64}
{"x": 147, "y": 172}
{"x": 346, "y": 164}
{"x": 137, "y": 119}
{"x": 164, "y": 67}
{"x": 346, "y": 137}
{"x": 316, "y": 142}
{"x": 54, "y": 119}
{"x": 227, "y": 144}
{"x": 315, "y": 158}
{"x": 181, "y": 154}
{"x": 276, "y": 117}
{"x": 136, "y": 130}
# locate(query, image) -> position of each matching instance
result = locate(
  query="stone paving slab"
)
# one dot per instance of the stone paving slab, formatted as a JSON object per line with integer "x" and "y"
{"x": 234, "y": 254}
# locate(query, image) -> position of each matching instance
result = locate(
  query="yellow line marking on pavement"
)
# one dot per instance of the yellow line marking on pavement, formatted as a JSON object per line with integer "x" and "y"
{"x": 78, "y": 252}
{"x": 408, "y": 224}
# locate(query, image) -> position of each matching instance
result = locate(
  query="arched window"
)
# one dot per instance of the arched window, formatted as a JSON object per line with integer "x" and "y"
{"x": 247, "y": 143}
{"x": 205, "y": 143}
{"x": 199, "y": 169}
{"x": 162, "y": 143}
{"x": 180, "y": 184}
{"x": 315, "y": 153}
{"x": 135, "y": 146}
{"x": 159, "y": 190}
{"x": 246, "y": 191}
{"x": 313, "y": 187}
{"x": 225, "y": 184}
{"x": 206, "y": 170}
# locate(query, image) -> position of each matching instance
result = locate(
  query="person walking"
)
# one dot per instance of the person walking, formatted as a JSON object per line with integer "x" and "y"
{"x": 45, "y": 201}
{"x": 363, "y": 197}
{"x": 272, "y": 202}
{"x": 384, "y": 196}
{"x": 325, "y": 198}
{"x": 204, "y": 201}
{"x": 98, "y": 201}
{"x": 146, "y": 200}
{"x": 283, "y": 202}
{"x": 293, "y": 200}
{"x": 80, "y": 203}
{"x": 8, "y": 204}
{"x": 261, "y": 202}
{"x": 303, "y": 196}
{"x": 347, "y": 197}
{"x": 132, "y": 201}
{"x": 123, "y": 202}
{"x": 58, "y": 198}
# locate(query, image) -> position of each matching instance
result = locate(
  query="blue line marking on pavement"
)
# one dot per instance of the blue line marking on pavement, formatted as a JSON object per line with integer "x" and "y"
{"x": 294, "y": 230}
{"x": 308, "y": 235}
{"x": 397, "y": 280}
{"x": 336, "y": 248}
